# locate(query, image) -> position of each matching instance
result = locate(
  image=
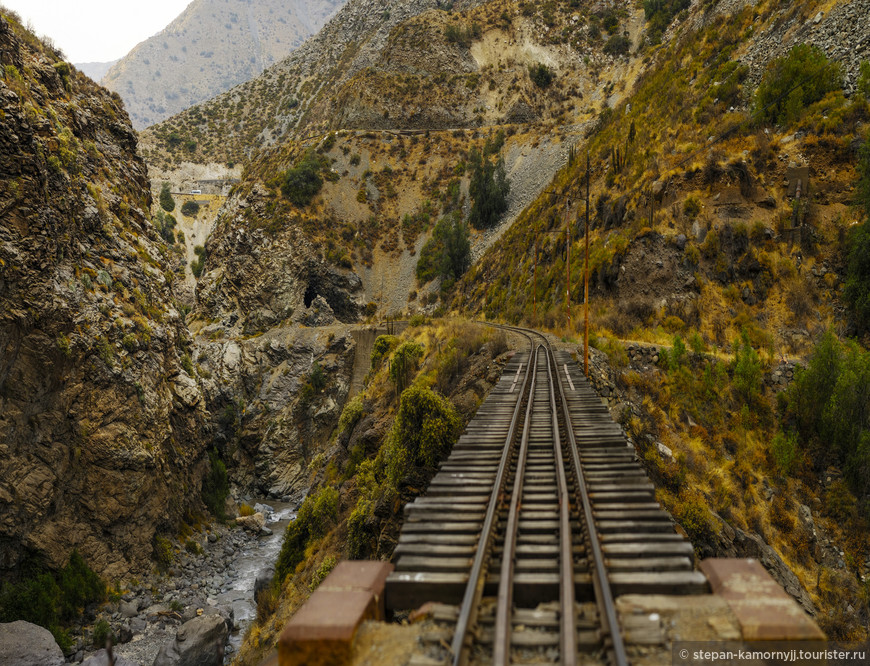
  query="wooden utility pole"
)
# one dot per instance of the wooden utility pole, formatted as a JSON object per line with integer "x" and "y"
{"x": 586, "y": 282}
{"x": 535, "y": 285}
{"x": 568, "y": 260}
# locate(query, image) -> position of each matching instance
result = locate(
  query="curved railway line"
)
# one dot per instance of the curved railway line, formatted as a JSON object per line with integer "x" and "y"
{"x": 540, "y": 516}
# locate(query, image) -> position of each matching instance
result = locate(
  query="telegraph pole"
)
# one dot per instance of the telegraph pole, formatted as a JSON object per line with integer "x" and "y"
{"x": 568, "y": 259}
{"x": 586, "y": 282}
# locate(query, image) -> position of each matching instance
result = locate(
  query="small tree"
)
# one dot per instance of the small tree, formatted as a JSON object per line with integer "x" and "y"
{"x": 404, "y": 364}
{"x": 747, "y": 371}
{"x": 167, "y": 203}
{"x": 190, "y": 208}
{"x": 489, "y": 188}
{"x": 215, "y": 486}
{"x": 303, "y": 181}
{"x": 541, "y": 75}
{"x": 792, "y": 83}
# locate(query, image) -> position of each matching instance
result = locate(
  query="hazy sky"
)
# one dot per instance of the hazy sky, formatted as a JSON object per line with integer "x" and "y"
{"x": 96, "y": 30}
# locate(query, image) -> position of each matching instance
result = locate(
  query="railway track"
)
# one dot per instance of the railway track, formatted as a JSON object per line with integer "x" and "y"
{"x": 539, "y": 517}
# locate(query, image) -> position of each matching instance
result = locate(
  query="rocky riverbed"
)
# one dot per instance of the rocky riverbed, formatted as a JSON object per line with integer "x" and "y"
{"x": 213, "y": 573}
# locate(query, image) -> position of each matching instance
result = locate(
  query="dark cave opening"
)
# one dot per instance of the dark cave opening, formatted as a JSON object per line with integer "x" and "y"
{"x": 310, "y": 295}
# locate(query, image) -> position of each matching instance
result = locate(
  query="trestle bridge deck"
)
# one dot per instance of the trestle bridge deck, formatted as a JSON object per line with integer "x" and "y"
{"x": 539, "y": 517}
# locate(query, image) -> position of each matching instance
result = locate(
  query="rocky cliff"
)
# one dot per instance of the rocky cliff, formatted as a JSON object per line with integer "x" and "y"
{"x": 211, "y": 47}
{"x": 102, "y": 430}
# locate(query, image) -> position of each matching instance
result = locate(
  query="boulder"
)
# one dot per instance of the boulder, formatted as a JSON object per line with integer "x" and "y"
{"x": 129, "y": 608}
{"x": 199, "y": 642}
{"x": 253, "y": 523}
{"x": 101, "y": 658}
{"x": 26, "y": 644}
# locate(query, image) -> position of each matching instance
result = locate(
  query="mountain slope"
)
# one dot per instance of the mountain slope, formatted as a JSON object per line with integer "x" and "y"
{"x": 211, "y": 47}
{"x": 234, "y": 125}
{"x": 102, "y": 430}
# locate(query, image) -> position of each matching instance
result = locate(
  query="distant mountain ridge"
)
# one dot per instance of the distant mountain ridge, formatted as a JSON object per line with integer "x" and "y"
{"x": 211, "y": 47}
{"x": 95, "y": 70}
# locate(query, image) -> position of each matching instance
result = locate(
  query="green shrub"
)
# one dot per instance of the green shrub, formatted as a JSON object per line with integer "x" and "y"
{"x": 404, "y": 363}
{"x": 659, "y": 14}
{"x": 192, "y": 546}
{"x": 326, "y": 566}
{"x": 747, "y": 372}
{"x": 447, "y": 254}
{"x": 427, "y": 425}
{"x": 828, "y": 405}
{"x": 383, "y": 345}
{"x": 617, "y": 45}
{"x": 190, "y": 208}
{"x": 302, "y": 183}
{"x": 784, "y": 450}
{"x": 541, "y": 75}
{"x": 691, "y": 207}
{"x": 317, "y": 378}
{"x": 790, "y": 84}
{"x": 51, "y": 600}
{"x": 102, "y": 633}
{"x": 488, "y": 188}
{"x": 162, "y": 552}
{"x": 167, "y": 203}
{"x": 864, "y": 80}
{"x": 317, "y": 515}
{"x": 360, "y": 539}
{"x": 215, "y": 485}
{"x": 198, "y": 264}
{"x": 857, "y": 290}
{"x": 694, "y": 517}
{"x": 79, "y": 586}
{"x": 246, "y": 509}
{"x": 862, "y": 198}
{"x": 351, "y": 414}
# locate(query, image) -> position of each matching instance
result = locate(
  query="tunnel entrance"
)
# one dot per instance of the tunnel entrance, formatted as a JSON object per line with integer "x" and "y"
{"x": 310, "y": 295}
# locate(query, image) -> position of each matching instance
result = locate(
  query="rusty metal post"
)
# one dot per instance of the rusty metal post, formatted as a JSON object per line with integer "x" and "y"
{"x": 535, "y": 286}
{"x": 568, "y": 259}
{"x": 586, "y": 282}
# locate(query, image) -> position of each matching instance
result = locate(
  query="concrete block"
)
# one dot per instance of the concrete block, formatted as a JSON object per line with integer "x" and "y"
{"x": 763, "y": 609}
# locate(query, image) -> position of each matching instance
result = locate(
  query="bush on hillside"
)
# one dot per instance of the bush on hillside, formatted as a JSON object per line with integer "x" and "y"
{"x": 489, "y": 187}
{"x": 190, "y": 208}
{"x": 404, "y": 364}
{"x": 383, "y": 345}
{"x": 215, "y": 485}
{"x": 541, "y": 75}
{"x": 317, "y": 515}
{"x": 197, "y": 265}
{"x": 447, "y": 254}
{"x": 857, "y": 290}
{"x": 793, "y": 82}
{"x": 828, "y": 406}
{"x": 617, "y": 45}
{"x": 51, "y": 599}
{"x": 302, "y": 182}
{"x": 427, "y": 425}
{"x": 167, "y": 203}
{"x": 659, "y": 14}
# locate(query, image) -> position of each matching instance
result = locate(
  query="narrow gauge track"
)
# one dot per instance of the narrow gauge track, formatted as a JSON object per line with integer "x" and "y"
{"x": 538, "y": 517}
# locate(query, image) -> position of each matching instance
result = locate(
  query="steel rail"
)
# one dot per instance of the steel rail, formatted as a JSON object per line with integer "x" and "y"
{"x": 601, "y": 584}
{"x": 477, "y": 576}
{"x": 566, "y": 559}
{"x": 504, "y": 607}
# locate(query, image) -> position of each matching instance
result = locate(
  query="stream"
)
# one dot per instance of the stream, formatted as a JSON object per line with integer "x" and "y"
{"x": 260, "y": 554}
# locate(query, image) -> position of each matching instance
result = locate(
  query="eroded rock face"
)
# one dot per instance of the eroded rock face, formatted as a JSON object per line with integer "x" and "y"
{"x": 255, "y": 279}
{"x": 269, "y": 413}
{"x": 101, "y": 430}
